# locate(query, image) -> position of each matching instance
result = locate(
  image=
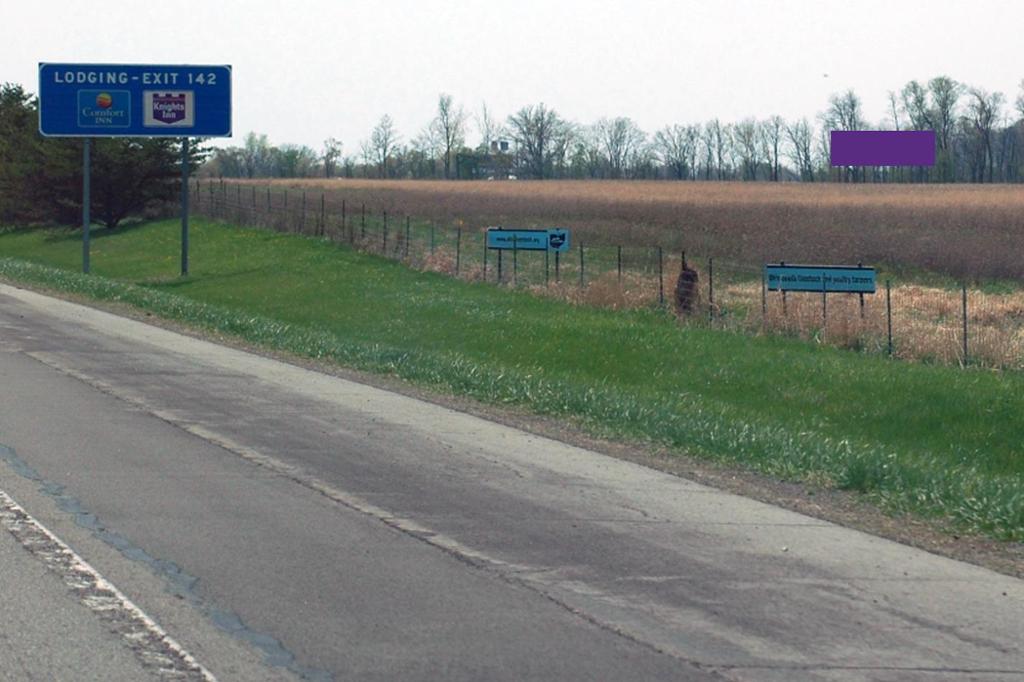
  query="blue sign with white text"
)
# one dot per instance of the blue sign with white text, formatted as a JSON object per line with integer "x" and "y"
{"x": 556, "y": 239}
{"x": 827, "y": 278}
{"x": 134, "y": 100}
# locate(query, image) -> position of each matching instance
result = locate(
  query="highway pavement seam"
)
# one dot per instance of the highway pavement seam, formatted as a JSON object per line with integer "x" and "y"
{"x": 176, "y": 580}
{"x": 152, "y": 646}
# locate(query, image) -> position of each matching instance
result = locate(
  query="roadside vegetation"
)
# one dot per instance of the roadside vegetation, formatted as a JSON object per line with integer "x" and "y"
{"x": 926, "y": 315}
{"x": 935, "y": 441}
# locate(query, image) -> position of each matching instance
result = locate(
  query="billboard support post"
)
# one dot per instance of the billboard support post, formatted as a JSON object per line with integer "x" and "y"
{"x": 86, "y": 200}
{"x": 184, "y": 206}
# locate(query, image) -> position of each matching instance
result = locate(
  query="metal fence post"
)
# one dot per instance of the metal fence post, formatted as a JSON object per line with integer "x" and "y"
{"x": 619, "y": 249}
{"x": 515, "y": 261}
{"x": 888, "y": 312}
{"x": 558, "y": 259}
{"x": 362, "y": 222}
{"x": 711, "y": 290}
{"x": 661, "y": 277}
{"x": 323, "y": 216}
{"x": 302, "y": 218}
{"x": 785, "y": 311}
{"x": 485, "y": 256}
{"x": 184, "y": 205}
{"x": 86, "y": 203}
{"x": 860, "y": 264}
{"x": 824, "y": 307}
{"x": 384, "y": 246}
{"x": 431, "y": 237}
{"x": 458, "y": 250}
{"x": 764, "y": 299}
{"x": 964, "y": 299}
{"x": 581, "y": 265}
{"x": 547, "y": 261}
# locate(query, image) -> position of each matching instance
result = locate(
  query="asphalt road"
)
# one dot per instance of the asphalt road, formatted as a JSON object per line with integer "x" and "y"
{"x": 278, "y": 522}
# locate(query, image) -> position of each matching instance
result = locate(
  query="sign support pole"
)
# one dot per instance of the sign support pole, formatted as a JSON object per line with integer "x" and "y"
{"x": 86, "y": 200}
{"x": 184, "y": 206}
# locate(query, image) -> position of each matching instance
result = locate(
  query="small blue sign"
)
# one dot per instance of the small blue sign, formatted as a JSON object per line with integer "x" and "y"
{"x": 827, "y": 278}
{"x": 134, "y": 100}
{"x": 556, "y": 239}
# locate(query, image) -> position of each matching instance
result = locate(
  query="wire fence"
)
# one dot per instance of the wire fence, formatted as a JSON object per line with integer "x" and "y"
{"x": 929, "y": 323}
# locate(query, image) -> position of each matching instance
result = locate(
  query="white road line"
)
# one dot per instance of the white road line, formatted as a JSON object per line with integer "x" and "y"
{"x": 154, "y": 648}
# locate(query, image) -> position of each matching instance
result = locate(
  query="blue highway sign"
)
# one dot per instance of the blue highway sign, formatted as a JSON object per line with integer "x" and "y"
{"x": 827, "y": 278}
{"x": 134, "y": 100}
{"x": 556, "y": 239}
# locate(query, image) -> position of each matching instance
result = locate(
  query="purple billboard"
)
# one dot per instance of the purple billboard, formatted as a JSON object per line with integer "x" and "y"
{"x": 883, "y": 148}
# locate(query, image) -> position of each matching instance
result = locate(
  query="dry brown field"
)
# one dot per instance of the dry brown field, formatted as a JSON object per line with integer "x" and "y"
{"x": 965, "y": 231}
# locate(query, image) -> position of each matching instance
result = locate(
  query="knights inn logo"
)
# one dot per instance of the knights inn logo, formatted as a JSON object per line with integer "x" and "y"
{"x": 168, "y": 109}
{"x": 104, "y": 109}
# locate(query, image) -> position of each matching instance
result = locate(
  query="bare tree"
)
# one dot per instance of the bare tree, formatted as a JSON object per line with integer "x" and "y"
{"x": 707, "y": 142}
{"x": 824, "y": 150}
{"x": 915, "y": 106}
{"x": 800, "y": 136}
{"x": 746, "y": 135}
{"x": 771, "y": 132}
{"x": 585, "y": 156}
{"x": 845, "y": 112}
{"x": 541, "y": 138}
{"x": 450, "y": 127}
{"x": 427, "y": 148}
{"x": 894, "y": 110}
{"x": 332, "y": 152}
{"x": 945, "y": 95}
{"x": 983, "y": 110}
{"x": 383, "y": 141}
{"x": 1020, "y": 99}
{"x": 620, "y": 140}
{"x": 692, "y": 143}
{"x": 490, "y": 129}
{"x": 719, "y": 141}
{"x": 675, "y": 146}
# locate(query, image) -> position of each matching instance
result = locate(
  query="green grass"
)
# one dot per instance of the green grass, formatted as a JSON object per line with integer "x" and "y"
{"x": 936, "y": 441}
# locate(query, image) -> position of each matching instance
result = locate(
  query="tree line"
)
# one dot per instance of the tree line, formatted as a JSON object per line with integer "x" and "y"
{"x": 979, "y": 138}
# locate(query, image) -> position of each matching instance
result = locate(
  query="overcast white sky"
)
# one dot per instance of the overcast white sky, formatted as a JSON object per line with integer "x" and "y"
{"x": 305, "y": 70}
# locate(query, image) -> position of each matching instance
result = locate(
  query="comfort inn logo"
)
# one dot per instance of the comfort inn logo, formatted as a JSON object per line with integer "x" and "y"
{"x": 104, "y": 109}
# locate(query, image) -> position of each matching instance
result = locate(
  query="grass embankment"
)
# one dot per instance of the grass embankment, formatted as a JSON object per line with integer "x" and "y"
{"x": 936, "y": 441}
